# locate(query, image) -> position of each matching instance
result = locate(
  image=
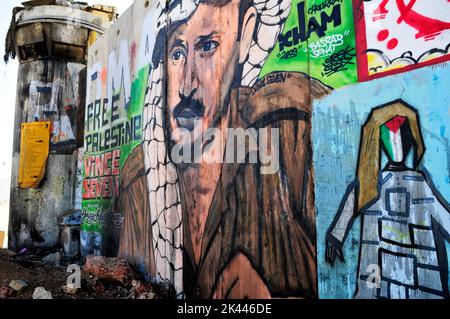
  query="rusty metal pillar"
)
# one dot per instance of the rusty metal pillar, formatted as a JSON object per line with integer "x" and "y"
{"x": 51, "y": 39}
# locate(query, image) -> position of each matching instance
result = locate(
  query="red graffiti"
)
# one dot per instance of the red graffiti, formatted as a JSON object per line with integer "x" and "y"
{"x": 392, "y": 44}
{"x": 104, "y": 76}
{"x": 383, "y": 35}
{"x": 133, "y": 54}
{"x": 410, "y": 20}
{"x": 102, "y": 165}
{"x": 101, "y": 187}
{"x": 427, "y": 28}
{"x": 101, "y": 175}
{"x": 381, "y": 11}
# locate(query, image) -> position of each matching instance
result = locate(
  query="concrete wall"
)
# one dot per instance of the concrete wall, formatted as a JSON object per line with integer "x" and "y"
{"x": 46, "y": 90}
{"x": 4, "y": 208}
{"x": 315, "y": 74}
{"x": 113, "y": 127}
{"x": 51, "y": 87}
{"x": 8, "y": 80}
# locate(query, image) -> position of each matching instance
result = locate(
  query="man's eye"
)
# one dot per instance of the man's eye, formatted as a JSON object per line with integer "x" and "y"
{"x": 208, "y": 46}
{"x": 177, "y": 55}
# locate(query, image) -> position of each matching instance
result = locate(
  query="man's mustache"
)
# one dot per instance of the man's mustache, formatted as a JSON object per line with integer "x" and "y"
{"x": 188, "y": 107}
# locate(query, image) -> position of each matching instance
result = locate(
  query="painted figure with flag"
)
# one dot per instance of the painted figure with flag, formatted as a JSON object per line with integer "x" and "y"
{"x": 404, "y": 219}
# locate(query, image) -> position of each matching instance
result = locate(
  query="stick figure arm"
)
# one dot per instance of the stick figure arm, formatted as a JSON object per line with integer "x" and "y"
{"x": 344, "y": 218}
{"x": 342, "y": 224}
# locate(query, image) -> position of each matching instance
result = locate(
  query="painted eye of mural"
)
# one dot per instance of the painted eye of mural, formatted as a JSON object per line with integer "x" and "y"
{"x": 178, "y": 55}
{"x": 207, "y": 46}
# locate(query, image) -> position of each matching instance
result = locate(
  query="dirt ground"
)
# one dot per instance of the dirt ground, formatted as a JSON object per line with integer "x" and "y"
{"x": 30, "y": 268}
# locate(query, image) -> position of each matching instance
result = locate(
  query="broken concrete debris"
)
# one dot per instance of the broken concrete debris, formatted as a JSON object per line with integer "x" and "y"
{"x": 41, "y": 293}
{"x": 53, "y": 258}
{"x": 8, "y": 253}
{"x": 141, "y": 291}
{"x": 18, "y": 285}
{"x": 109, "y": 269}
{"x": 70, "y": 289}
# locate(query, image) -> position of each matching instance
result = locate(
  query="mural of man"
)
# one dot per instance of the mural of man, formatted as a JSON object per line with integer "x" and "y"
{"x": 246, "y": 234}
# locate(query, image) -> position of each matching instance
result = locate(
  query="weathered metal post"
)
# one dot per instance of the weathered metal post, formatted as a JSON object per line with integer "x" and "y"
{"x": 51, "y": 39}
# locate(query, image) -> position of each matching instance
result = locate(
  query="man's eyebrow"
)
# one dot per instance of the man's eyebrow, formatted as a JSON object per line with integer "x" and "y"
{"x": 178, "y": 43}
{"x": 202, "y": 38}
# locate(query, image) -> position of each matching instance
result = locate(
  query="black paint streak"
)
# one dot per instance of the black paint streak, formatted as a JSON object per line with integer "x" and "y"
{"x": 338, "y": 61}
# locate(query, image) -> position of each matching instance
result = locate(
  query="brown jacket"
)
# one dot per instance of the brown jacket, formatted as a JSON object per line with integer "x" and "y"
{"x": 135, "y": 242}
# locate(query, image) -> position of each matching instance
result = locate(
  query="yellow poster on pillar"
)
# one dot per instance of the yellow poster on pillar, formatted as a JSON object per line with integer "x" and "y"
{"x": 34, "y": 150}
{"x": 2, "y": 239}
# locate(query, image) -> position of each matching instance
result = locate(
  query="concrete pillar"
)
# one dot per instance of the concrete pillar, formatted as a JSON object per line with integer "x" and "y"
{"x": 51, "y": 39}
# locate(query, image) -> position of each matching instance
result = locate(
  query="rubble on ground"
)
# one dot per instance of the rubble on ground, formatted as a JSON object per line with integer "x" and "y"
{"x": 109, "y": 269}
{"x": 141, "y": 291}
{"x": 70, "y": 289}
{"x": 6, "y": 292}
{"x": 9, "y": 253}
{"x": 53, "y": 258}
{"x": 43, "y": 274}
{"x": 18, "y": 285}
{"x": 41, "y": 293}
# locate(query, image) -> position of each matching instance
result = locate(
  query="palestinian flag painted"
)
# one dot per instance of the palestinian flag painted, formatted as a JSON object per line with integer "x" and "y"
{"x": 393, "y": 135}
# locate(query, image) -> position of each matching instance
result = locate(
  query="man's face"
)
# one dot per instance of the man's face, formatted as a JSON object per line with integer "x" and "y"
{"x": 202, "y": 59}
